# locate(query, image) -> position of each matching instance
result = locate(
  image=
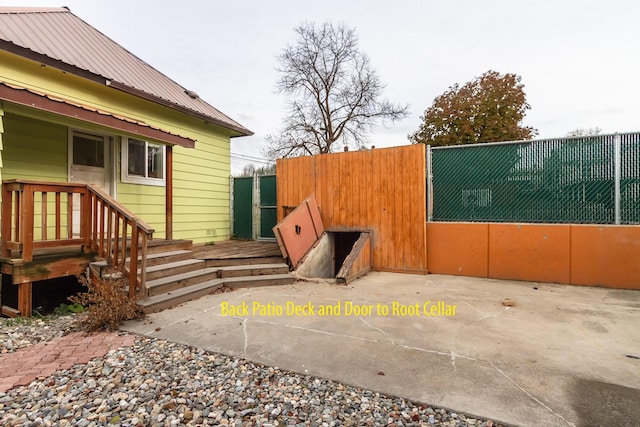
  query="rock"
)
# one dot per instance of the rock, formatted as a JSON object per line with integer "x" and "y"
{"x": 159, "y": 383}
{"x": 508, "y": 302}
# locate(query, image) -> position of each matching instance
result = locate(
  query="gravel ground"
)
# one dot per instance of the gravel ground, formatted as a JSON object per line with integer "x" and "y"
{"x": 18, "y": 333}
{"x": 159, "y": 383}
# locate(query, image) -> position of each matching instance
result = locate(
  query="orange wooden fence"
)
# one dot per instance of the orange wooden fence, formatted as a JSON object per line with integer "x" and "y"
{"x": 381, "y": 190}
{"x": 578, "y": 254}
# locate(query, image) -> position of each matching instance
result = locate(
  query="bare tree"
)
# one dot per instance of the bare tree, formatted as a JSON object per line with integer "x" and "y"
{"x": 334, "y": 93}
{"x": 585, "y": 132}
{"x": 250, "y": 169}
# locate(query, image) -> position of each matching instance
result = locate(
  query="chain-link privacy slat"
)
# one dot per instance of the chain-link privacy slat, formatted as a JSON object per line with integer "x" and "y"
{"x": 568, "y": 180}
{"x": 630, "y": 178}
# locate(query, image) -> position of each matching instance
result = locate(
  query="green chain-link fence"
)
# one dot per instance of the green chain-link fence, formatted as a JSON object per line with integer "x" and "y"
{"x": 630, "y": 178}
{"x": 593, "y": 179}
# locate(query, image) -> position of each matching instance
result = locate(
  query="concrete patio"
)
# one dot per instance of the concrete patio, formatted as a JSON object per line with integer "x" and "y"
{"x": 562, "y": 355}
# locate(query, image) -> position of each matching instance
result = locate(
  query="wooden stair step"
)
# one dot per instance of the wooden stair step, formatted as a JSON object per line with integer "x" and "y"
{"x": 169, "y": 283}
{"x": 159, "y": 302}
{"x": 165, "y": 257}
{"x": 253, "y": 281}
{"x": 169, "y": 245}
{"x": 172, "y": 268}
{"x": 227, "y": 262}
{"x": 152, "y": 259}
{"x": 253, "y": 270}
{"x": 98, "y": 267}
{"x": 103, "y": 270}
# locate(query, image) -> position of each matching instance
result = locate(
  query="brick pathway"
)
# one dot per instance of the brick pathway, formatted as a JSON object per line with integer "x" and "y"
{"x": 44, "y": 358}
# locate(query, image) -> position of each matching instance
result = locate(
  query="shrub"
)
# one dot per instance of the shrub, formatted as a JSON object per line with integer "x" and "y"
{"x": 66, "y": 309}
{"x": 107, "y": 301}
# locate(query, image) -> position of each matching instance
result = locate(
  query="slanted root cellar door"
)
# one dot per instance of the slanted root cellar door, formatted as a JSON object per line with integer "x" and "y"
{"x": 316, "y": 253}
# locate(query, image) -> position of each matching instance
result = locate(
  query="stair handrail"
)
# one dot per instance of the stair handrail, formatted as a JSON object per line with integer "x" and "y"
{"x": 141, "y": 233}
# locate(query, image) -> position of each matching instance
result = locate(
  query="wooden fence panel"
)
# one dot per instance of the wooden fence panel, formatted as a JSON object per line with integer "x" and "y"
{"x": 382, "y": 190}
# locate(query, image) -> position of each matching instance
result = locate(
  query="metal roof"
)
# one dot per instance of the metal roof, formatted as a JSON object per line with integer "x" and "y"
{"x": 59, "y": 38}
{"x": 46, "y": 102}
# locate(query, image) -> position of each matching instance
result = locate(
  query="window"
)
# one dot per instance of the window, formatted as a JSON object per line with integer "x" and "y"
{"x": 88, "y": 150}
{"x": 142, "y": 162}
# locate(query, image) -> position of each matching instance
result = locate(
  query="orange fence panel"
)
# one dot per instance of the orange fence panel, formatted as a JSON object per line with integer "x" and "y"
{"x": 605, "y": 255}
{"x": 381, "y": 190}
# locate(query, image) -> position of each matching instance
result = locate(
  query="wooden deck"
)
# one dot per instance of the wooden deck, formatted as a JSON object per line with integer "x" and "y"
{"x": 236, "y": 252}
{"x": 46, "y": 264}
{"x": 225, "y": 250}
{"x": 52, "y": 262}
{"x": 40, "y": 240}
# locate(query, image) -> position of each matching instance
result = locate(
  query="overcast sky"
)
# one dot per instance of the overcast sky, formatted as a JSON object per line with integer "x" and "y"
{"x": 579, "y": 60}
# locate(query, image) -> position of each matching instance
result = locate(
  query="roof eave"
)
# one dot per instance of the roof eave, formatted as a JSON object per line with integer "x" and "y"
{"x": 242, "y": 131}
{"x": 52, "y": 62}
{"x": 72, "y": 69}
{"x": 43, "y": 102}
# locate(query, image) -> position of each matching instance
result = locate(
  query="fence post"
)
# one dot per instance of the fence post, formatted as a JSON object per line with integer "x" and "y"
{"x": 255, "y": 206}
{"x": 429, "y": 184}
{"x": 231, "y": 202}
{"x": 617, "y": 171}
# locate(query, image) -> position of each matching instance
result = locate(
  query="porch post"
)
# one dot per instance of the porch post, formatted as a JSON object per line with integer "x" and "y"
{"x": 5, "y": 229}
{"x": 7, "y": 205}
{"x": 25, "y": 301}
{"x": 169, "y": 194}
{"x": 1, "y": 132}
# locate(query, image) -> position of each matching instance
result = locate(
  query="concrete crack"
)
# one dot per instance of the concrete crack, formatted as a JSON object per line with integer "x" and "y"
{"x": 171, "y": 324}
{"x": 479, "y": 319}
{"x": 319, "y": 331}
{"x": 246, "y": 336}
{"x": 439, "y": 353}
{"x": 378, "y": 329}
{"x": 486, "y": 316}
{"x": 532, "y": 397}
{"x": 246, "y": 294}
{"x": 453, "y": 361}
{"x": 452, "y": 355}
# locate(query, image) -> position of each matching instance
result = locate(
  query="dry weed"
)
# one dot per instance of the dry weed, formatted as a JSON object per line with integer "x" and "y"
{"x": 108, "y": 303}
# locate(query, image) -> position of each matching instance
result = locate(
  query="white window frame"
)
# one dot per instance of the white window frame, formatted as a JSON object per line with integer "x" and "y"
{"x": 137, "y": 179}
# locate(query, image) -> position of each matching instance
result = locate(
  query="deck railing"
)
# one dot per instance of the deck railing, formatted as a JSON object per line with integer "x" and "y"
{"x": 40, "y": 215}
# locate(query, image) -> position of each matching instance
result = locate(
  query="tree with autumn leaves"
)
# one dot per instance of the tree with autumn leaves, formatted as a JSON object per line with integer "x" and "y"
{"x": 487, "y": 109}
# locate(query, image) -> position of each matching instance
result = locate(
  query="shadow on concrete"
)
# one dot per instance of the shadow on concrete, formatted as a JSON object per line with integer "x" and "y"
{"x": 603, "y": 404}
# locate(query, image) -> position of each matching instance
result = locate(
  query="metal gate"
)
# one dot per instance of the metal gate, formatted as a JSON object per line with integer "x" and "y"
{"x": 253, "y": 202}
{"x": 268, "y": 212}
{"x": 242, "y": 203}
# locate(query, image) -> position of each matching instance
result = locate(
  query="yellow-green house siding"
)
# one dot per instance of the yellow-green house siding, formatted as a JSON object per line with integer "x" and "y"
{"x": 36, "y": 147}
{"x": 36, "y": 150}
